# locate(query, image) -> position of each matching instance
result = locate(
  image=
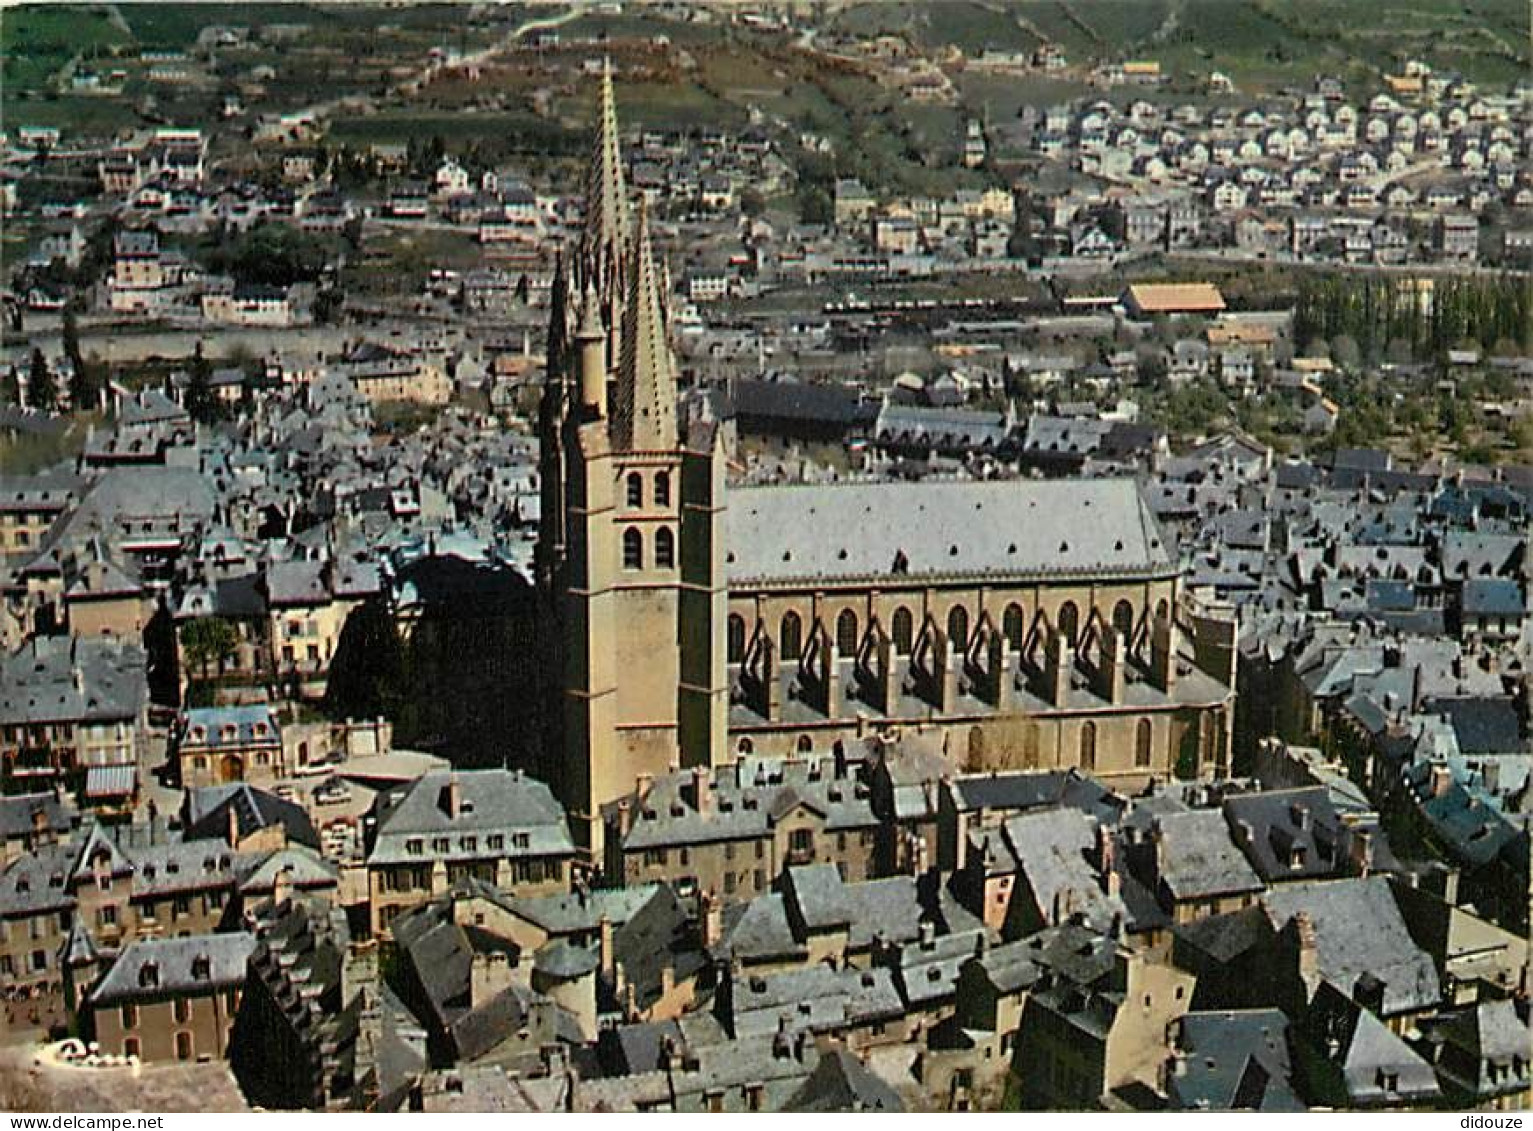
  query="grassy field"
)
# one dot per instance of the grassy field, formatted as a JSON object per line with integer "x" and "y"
{"x": 972, "y": 27}
{"x": 399, "y": 260}
{"x": 35, "y": 41}
{"x": 27, "y": 455}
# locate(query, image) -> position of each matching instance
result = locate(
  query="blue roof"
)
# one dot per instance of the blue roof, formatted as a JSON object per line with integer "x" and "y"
{"x": 1493, "y": 596}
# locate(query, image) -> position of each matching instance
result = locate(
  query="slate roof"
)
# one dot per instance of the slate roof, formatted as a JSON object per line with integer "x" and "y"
{"x": 1482, "y": 725}
{"x": 1276, "y": 828}
{"x": 1234, "y": 1061}
{"x": 207, "y": 813}
{"x": 38, "y": 682}
{"x": 802, "y": 401}
{"x": 1031, "y": 789}
{"x": 581, "y": 912}
{"x": 296, "y": 583}
{"x": 20, "y": 813}
{"x": 816, "y": 998}
{"x": 253, "y": 724}
{"x": 1359, "y": 931}
{"x": 1198, "y": 860}
{"x": 1374, "y": 1056}
{"x": 847, "y": 532}
{"x": 1490, "y": 1035}
{"x": 1051, "y": 847}
{"x": 152, "y": 969}
{"x": 747, "y": 803}
{"x": 493, "y": 802}
{"x": 38, "y": 881}
{"x": 926, "y": 972}
{"x": 1493, "y": 597}
{"x": 303, "y": 868}
{"x": 841, "y": 1083}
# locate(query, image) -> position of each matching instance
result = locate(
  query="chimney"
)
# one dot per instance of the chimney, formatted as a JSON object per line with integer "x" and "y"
{"x": 928, "y": 934}
{"x": 1110, "y": 671}
{"x": 710, "y": 918}
{"x": 624, "y": 817}
{"x": 1442, "y": 779}
{"x": 605, "y": 929}
{"x": 1309, "y": 951}
{"x": 489, "y": 976}
{"x": 643, "y": 783}
{"x": 1106, "y": 849}
{"x": 1058, "y": 660}
{"x": 1362, "y": 851}
{"x": 702, "y": 793}
{"x": 234, "y": 826}
{"x": 782, "y": 1040}
{"x": 452, "y": 797}
{"x": 359, "y": 970}
{"x": 1163, "y": 653}
{"x": 282, "y": 885}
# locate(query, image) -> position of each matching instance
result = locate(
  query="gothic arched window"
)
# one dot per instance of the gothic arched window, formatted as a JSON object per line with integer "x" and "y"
{"x": 958, "y": 627}
{"x": 1123, "y": 618}
{"x": 665, "y": 548}
{"x": 1069, "y": 621}
{"x": 1013, "y": 626}
{"x": 1088, "y": 745}
{"x": 633, "y": 548}
{"x": 736, "y": 636}
{"x": 846, "y": 633}
{"x": 903, "y": 630}
{"x": 635, "y": 489}
{"x": 662, "y": 488}
{"x": 1144, "y": 737}
{"x": 791, "y": 640}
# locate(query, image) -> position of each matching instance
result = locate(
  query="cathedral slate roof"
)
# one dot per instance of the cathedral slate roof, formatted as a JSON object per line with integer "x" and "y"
{"x": 960, "y": 529}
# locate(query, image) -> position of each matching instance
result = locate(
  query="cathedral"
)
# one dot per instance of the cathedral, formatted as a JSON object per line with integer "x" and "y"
{"x": 1033, "y": 624}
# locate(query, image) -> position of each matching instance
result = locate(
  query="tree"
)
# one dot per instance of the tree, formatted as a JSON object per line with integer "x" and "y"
{"x": 752, "y": 203}
{"x": 815, "y": 206}
{"x": 328, "y": 303}
{"x": 1345, "y": 351}
{"x": 10, "y": 386}
{"x": 82, "y": 383}
{"x": 41, "y": 394}
{"x": 199, "y": 389}
{"x": 208, "y": 641}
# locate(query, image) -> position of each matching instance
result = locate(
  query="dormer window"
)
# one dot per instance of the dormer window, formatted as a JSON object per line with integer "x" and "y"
{"x": 202, "y": 968}
{"x": 149, "y": 975}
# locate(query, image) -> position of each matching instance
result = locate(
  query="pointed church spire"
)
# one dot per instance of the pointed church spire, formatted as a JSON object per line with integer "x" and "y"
{"x": 645, "y": 412}
{"x": 606, "y": 218}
